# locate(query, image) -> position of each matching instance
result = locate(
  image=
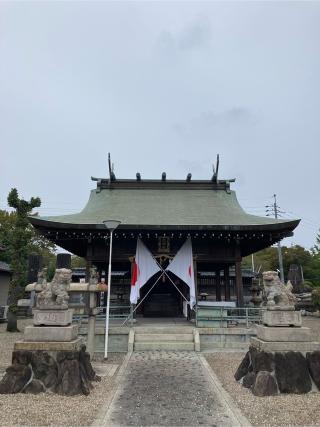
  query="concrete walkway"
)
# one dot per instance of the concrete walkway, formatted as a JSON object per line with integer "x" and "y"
{"x": 167, "y": 388}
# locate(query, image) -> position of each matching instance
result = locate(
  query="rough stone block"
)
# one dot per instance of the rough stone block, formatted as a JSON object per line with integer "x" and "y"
{"x": 261, "y": 361}
{"x": 34, "y": 387}
{"x": 283, "y": 333}
{"x": 45, "y": 368}
{"x": 52, "y": 317}
{"x": 281, "y": 318}
{"x": 51, "y": 333}
{"x": 15, "y": 379}
{"x": 292, "y": 373}
{"x": 265, "y": 384}
{"x": 63, "y": 372}
{"x": 249, "y": 379}
{"x": 313, "y": 360}
{"x": 243, "y": 368}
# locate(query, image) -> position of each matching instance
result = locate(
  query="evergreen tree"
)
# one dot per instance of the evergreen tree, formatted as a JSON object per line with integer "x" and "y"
{"x": 18, "y": 252}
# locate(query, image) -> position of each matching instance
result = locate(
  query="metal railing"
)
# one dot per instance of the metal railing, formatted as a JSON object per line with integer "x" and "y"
{"x": 227, "y": 317}
{"x": 117, "y": 312}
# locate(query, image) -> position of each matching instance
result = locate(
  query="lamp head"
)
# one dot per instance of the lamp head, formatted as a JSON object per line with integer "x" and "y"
{"x": 111, "y": 224}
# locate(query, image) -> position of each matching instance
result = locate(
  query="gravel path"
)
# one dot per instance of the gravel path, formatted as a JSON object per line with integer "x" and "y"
{"x": 167, "y": 388}
{"x": 281, "y": 410}
{"x": 50, "y": 409}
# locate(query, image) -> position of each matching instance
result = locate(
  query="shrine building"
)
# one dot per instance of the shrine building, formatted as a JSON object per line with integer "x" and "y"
{"x": 163, "y": 214}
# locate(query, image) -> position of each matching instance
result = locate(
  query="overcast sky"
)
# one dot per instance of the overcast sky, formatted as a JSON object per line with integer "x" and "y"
{"x": 163, "y": 86}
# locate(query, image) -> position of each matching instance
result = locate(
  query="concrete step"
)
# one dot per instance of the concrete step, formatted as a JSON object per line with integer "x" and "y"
{"x": 162, "y": 337}
{"x": 163, "y": 329}
{"x": 170, "y": 346}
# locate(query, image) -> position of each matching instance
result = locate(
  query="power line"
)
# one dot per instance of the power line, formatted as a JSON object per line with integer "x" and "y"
{"x": 275, "y": 210}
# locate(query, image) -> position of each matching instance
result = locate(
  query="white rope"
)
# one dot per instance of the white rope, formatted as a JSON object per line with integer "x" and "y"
{"x": 131, "y": 313}
{"x": 163, "y": 272}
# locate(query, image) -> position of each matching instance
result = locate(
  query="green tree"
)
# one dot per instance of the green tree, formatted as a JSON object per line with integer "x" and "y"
{"x": 267, "y": 259}
{"x": 314, "y": 271}
{"x": 7, "y": 224}
{"x": 18, "y": 250}
{"x": 77, "y": 261}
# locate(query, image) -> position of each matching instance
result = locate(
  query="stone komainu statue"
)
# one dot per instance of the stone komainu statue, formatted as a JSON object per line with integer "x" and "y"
{"x": 55, "y": 294}
{"x": 278, "y": 295}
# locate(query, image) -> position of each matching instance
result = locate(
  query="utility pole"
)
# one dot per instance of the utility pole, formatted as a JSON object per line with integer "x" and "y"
{"x": 274, "y": 209}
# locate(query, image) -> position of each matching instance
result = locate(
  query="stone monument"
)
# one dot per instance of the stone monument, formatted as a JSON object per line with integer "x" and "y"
{"x": 51, "y": 356}
{"x": 282, "y": 357}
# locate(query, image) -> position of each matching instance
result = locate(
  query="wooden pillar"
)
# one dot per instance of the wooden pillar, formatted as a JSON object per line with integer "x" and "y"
{"x": 88, "y": 259}
{"x": 226, "y": 283}
{"x": 239, "y": 284}
{"x": 88, "y": 267}
{"x": 218, "y": 285}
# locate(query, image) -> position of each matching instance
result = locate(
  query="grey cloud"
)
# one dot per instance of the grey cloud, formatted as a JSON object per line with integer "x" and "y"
{"x": 194, "y": 36}
{"x": 163, "y": 86}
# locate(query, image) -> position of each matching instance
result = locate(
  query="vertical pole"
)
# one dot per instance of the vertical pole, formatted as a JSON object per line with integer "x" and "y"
{"x": 226, "y": 283}
{"x": 239, "y": 284}
{"x": 275, "y": 208}
{"x": 88, "y": 267}
{"x": 108, "y": 301}
{"x": 131, "y": 314}
{"x": 91, "y": 323}
{"x": 218, "y": 285}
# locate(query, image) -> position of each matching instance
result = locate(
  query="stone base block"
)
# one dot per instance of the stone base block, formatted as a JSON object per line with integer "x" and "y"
{"x": 52, "y": 317}
{"x": 273, "y": 346}
{"x": 283, "y": 333}
{"x": 74, "y": 345}
{"x": 269, "y": 373}
{"x": 51, "y": 333}
{"x": 281, "y": 318}
{"x": 59, "y": 370}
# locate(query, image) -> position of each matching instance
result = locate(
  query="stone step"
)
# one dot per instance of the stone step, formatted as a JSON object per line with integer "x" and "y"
{"x": 169, "y": 346}
{"x": 163, "y": 329}
{"x": 162, "y": 337}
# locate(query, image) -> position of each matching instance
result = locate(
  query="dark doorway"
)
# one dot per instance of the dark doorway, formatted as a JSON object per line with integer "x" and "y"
{"x": 163, "y": 301}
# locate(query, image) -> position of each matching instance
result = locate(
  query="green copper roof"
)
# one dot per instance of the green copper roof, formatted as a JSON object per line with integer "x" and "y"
{"x": 163, "y": 207}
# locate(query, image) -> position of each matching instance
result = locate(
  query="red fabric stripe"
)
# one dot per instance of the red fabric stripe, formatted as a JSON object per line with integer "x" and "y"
{"x": 135, "y": 274}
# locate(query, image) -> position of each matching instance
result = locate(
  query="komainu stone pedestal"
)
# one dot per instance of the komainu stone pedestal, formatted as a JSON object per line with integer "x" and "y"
{"x": 51, "y": 333}
{"x": 52, "y": 317}
{"x": 282, "y": 358}
{"x": 281, "y": 318}
{"x": 51, "y": 357}
{"x": 267, "y": 373}
{"x": 60, "y": 367}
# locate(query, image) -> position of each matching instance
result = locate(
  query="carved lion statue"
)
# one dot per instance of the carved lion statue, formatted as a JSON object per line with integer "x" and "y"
{"x": 278, "y": 295}
{"x": 55, "y": 293}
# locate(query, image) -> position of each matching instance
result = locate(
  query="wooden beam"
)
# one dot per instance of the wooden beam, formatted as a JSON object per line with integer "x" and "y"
{"x": 239, "y": 284}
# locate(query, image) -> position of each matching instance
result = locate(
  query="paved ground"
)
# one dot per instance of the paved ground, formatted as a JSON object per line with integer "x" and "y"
{"x": 167, "y": 388}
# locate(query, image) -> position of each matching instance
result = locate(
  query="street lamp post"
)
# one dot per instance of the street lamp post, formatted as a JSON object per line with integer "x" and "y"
{"x": 111, "y": 225}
